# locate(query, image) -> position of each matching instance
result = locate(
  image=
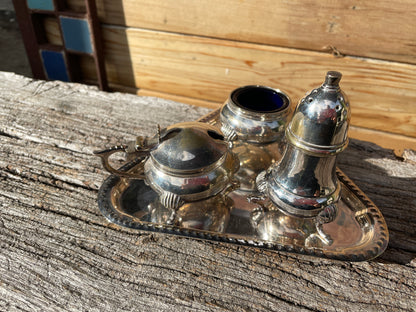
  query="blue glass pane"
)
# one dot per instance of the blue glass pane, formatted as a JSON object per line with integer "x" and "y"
{"x": 54, "y": 65}
{"x": 76, "y": 33}
{"x": 40, "y": 4}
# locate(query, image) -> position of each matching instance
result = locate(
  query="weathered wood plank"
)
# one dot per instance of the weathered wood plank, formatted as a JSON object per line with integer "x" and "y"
{"x": 375, "y": 29}
{"x": 173, "y": 97}
{"x": 58, "y": 253}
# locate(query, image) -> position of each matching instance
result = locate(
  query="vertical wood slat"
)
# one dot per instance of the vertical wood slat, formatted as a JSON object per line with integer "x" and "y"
{"x": 28, "y": 31}
{"x": 96, "y": 40}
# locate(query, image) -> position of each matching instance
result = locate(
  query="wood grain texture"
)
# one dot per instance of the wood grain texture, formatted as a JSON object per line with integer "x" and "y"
{"x": 375, "y": 29}
{"x": 58, "y": 253}
{"x": 173, "y": 97}
{"x": 53, "y": 35}
{"x": 382, "y": 93}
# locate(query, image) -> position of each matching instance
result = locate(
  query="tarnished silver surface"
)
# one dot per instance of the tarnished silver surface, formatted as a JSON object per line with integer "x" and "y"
{"x": 254, "y": 119}
{"x": 358, "y": 231}
{"x": 320, "y": 121}
{"x": 185, "y": 162}
{"x": 255, "y": 114}
{"x": 304, "y": 183}
{"x": 254, "y": 158}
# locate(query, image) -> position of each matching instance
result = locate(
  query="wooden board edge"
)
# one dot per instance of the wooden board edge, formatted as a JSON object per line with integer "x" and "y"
{"x": 167, "y": 96}
{"x": 396, "y": 142}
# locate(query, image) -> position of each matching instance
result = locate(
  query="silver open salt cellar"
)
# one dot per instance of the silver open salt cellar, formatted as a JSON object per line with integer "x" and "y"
{"x": 254, "y": 119}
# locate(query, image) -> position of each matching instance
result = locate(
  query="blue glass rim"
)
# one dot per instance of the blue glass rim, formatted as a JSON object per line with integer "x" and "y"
{"x": 260, "y": 99}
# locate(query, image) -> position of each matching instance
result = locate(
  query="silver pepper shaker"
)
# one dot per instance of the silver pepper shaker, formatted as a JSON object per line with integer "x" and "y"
{"x": 304, "y": 183}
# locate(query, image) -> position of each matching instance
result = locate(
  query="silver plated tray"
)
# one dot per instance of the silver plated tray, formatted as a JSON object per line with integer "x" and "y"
{"x": 359, "y": 231}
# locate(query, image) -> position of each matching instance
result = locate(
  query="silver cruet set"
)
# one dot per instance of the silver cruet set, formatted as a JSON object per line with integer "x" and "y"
{"x": 252, "y": 173}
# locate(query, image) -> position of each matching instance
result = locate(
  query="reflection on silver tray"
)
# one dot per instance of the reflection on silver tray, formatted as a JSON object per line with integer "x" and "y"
{"x": 359, "y": 231}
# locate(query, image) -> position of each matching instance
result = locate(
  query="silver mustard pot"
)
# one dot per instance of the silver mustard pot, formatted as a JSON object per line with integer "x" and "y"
{"x": 183, "y": 163}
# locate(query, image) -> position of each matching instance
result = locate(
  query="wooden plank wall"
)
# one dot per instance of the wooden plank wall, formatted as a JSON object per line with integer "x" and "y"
{"x": 198, "y": 51}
